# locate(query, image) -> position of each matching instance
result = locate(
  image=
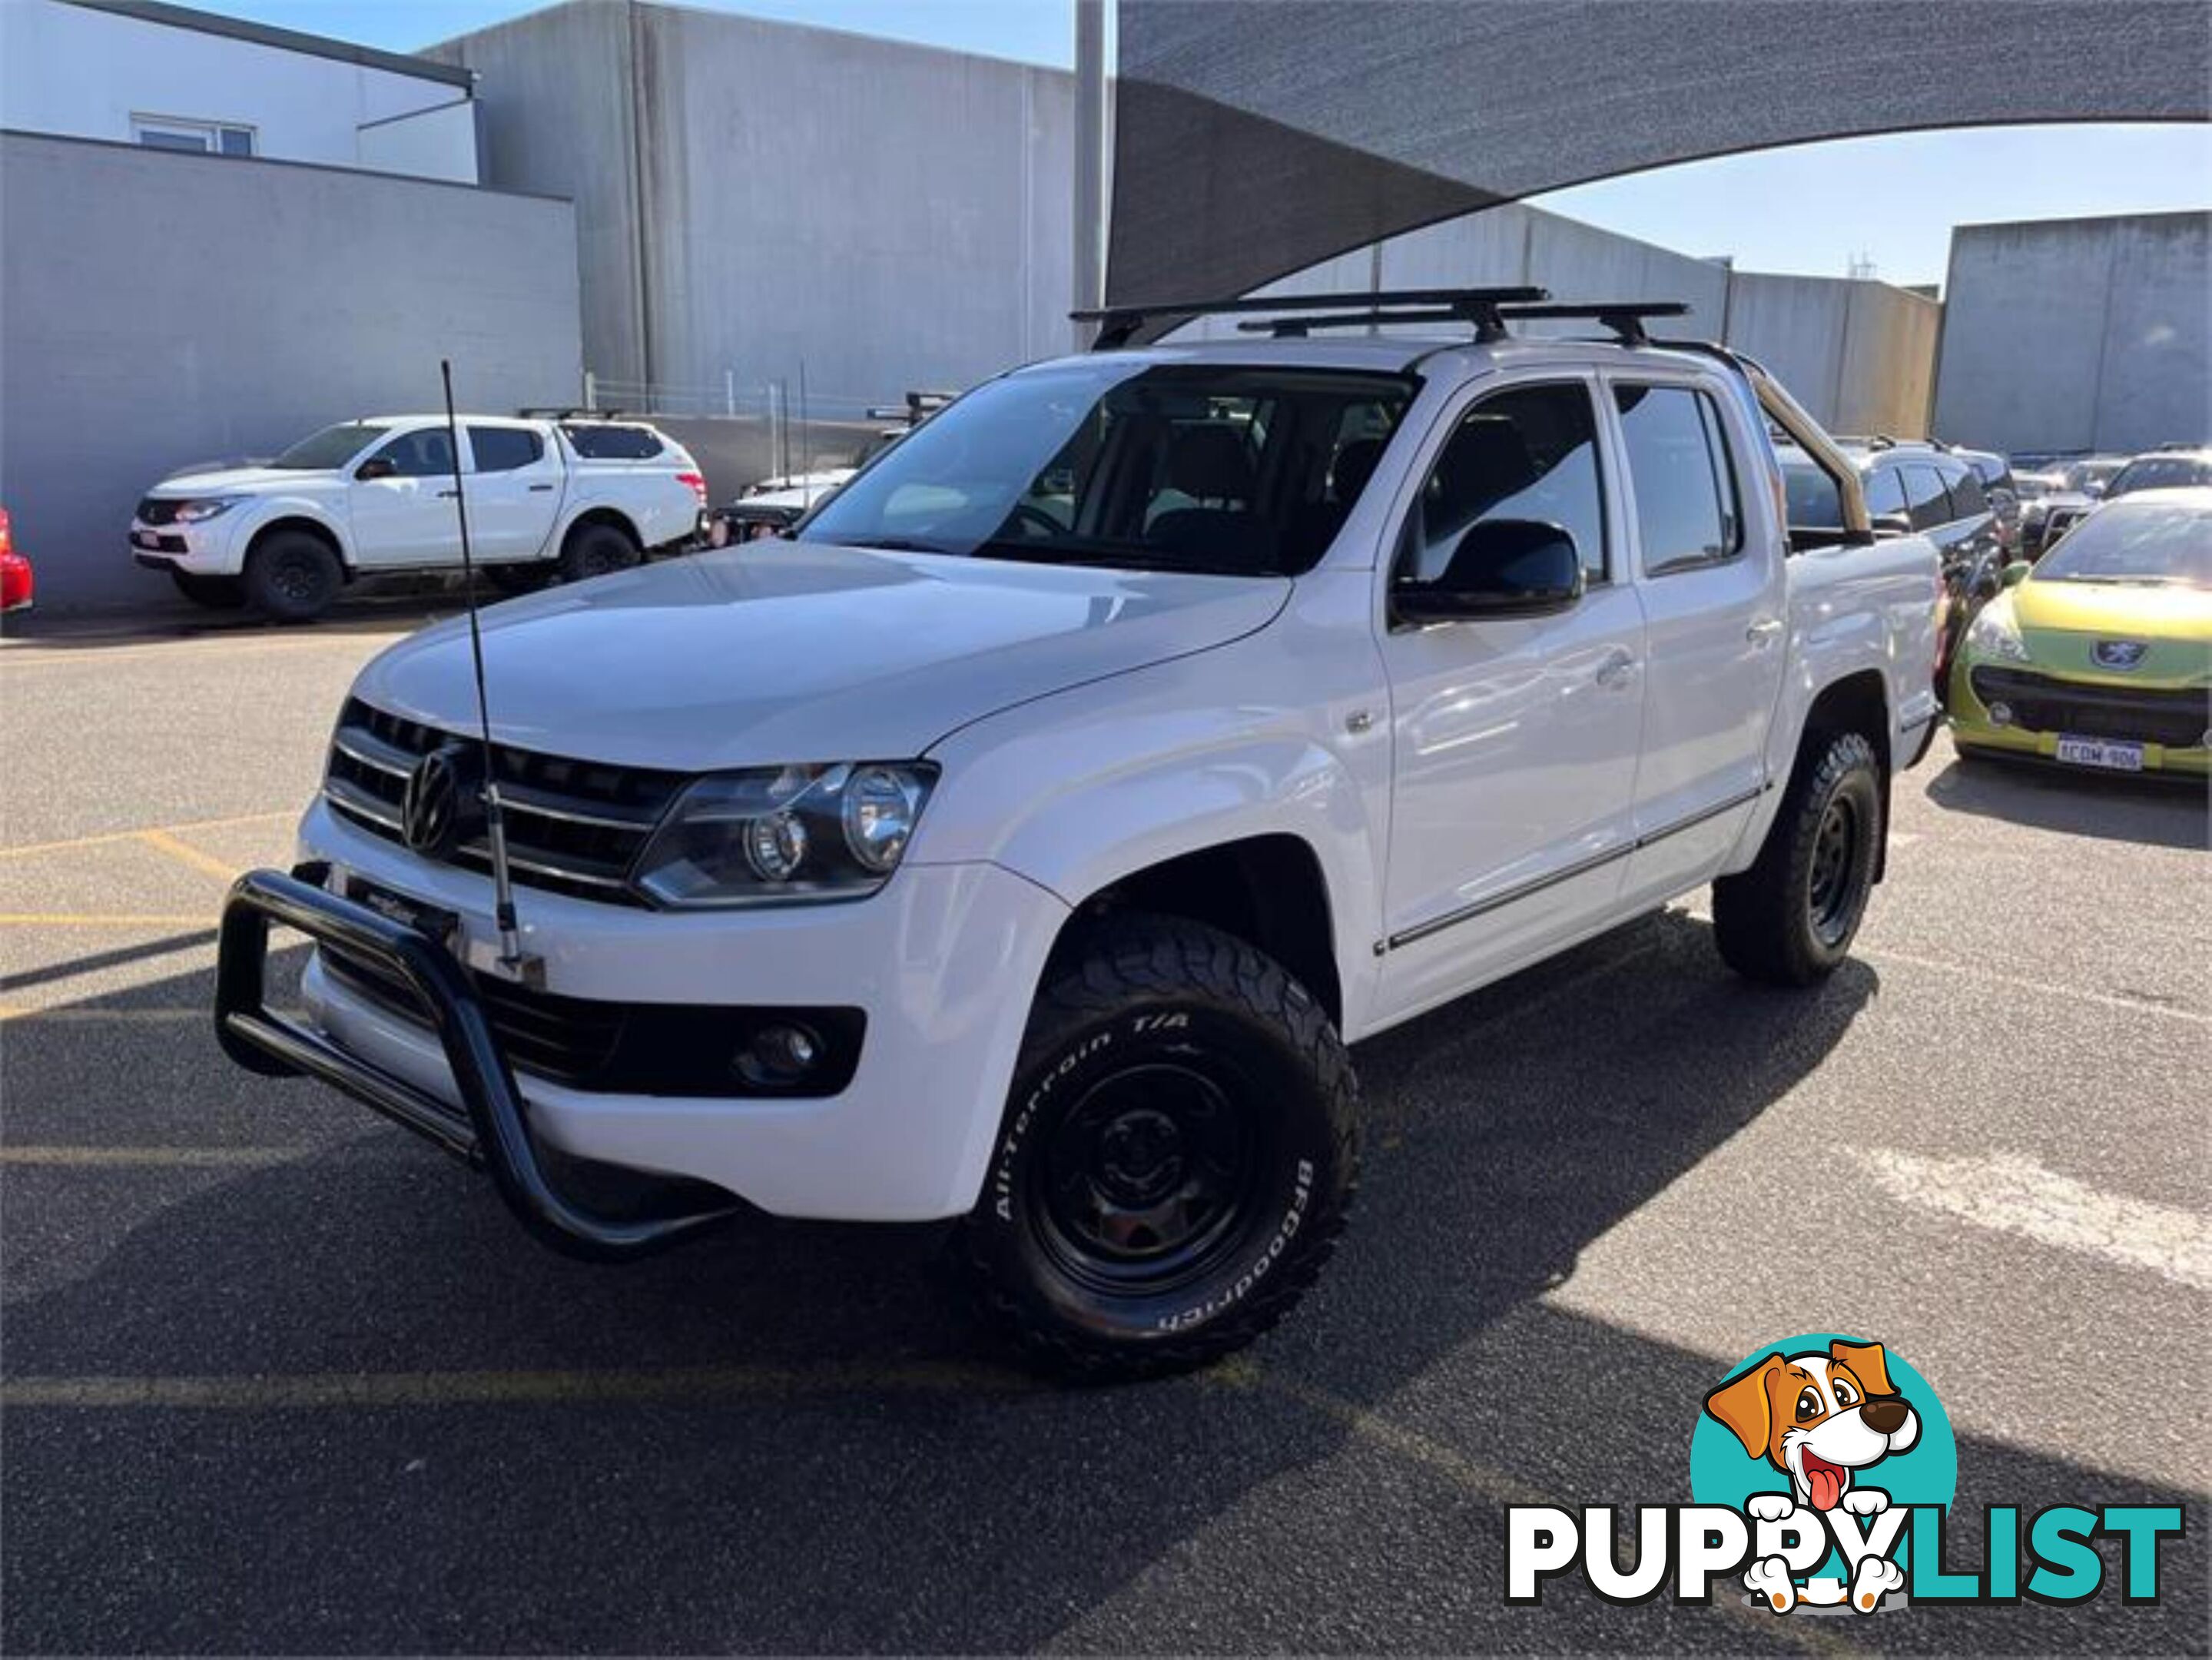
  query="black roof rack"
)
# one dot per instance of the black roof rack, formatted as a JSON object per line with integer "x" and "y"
{"x": 571, "y": 414}
{"x": 1625, "y": 318}
{"x": 1118, "y": 324}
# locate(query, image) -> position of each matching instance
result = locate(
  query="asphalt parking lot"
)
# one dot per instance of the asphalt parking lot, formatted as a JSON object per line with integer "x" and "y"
{"x": 279, "y": 1378}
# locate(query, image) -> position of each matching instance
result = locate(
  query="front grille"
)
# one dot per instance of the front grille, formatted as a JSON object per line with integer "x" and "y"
{"x": 632, "y": 1048}
{"x": 155, "y": 511}
{"x": 2177, "y": 719}
{"x": 574, "y": 827}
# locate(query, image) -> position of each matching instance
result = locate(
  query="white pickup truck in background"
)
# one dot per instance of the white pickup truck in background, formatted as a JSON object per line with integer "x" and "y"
{"x": 572, "y": 498}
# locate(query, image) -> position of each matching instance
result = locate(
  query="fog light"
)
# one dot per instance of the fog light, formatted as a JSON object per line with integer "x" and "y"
{"x": 2001, "y": 715}
{"x": 778, "y": 1057}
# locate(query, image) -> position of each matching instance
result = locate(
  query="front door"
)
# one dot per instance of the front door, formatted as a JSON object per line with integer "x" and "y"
{"x": 406, "y": 516}
{"x": 1515, "y": 741}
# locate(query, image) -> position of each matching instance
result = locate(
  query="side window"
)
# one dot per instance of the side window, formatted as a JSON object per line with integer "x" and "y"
{"x": 1968, "y": 499}
{"x": 1531, "y": 453}
{"x": 598, "y": 440}
{"x": 1687, "y": 512}
{"x": 425, "y": 454}
{"x": 504, "y": 449}
{"x": 1924, "y": 498}
{"x": 1885, "y": 493}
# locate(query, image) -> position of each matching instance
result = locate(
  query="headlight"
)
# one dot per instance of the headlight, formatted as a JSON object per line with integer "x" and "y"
{"x": 786, "y": 834}
{"x": 205, "y": 507}
{"x": 1994, "y": 635}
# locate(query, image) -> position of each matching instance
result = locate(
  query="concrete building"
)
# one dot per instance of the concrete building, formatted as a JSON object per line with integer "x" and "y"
{"x": 2079, "y": 335}
{"x": 756, "y": 201}
{"x": 141, "y": 72}
{"x": 171, "y": 295}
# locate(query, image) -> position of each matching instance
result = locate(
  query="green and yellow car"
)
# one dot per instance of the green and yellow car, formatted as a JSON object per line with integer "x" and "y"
{"x": 2099, "y": 657}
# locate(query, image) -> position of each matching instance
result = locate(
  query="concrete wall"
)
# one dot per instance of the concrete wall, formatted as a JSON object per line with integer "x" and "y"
{"x": 312, "y": 295}
{"x": 1859, "y": 354}
{"x": 2084, "y": 334}
{"x": 76, "y": 72}
{"x": 755, "y": 197}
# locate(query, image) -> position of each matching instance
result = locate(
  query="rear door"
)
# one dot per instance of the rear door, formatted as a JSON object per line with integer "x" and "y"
{"x": 1709, "y": 555}
{"x": 514, "y": 490}
{"x": 1514, "y": 739}
{"x": 408, "y": 517}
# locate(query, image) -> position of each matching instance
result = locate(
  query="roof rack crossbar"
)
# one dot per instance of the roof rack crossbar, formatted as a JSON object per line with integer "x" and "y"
{"x": 1118, "y": 324}
{"x": 569, "y": 413}
{"x": 1625, "y": 318}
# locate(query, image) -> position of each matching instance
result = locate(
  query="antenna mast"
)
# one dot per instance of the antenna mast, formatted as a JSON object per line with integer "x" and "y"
{"x": 502, "y": 884}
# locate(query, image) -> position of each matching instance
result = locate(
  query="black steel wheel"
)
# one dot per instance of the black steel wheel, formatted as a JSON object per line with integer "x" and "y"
{"x": 1177, "y": 1159}
{"x": 596, "y": 549}
{"x": 1790, "y": 919}
{"x": 292, "y": 576}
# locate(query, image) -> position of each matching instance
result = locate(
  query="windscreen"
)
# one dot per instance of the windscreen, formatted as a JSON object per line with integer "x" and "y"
{"x": 2151, "y": 542}
{"x": 2159, "y": 472}
{"x": 330, "y": 448}
{"x": 1205, "y": 468}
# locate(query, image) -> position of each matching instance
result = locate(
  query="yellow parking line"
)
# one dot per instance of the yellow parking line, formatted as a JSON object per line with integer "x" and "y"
{"x": 152, "y": 1157}
{"x": 451, "y": 1388}
{"x": 185, "y": 853}
{"x": 108, "y": 837}
{"x": 82, "y": 920}
{"x": 88, "y": 1016}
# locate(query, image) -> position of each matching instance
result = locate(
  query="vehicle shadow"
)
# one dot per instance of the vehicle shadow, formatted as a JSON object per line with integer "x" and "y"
{"x": 2156, "y": 811}
{"x": 835, "y": 1458}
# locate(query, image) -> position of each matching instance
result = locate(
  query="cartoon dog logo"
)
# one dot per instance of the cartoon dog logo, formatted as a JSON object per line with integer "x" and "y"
{"x": 1820, "y": 1418}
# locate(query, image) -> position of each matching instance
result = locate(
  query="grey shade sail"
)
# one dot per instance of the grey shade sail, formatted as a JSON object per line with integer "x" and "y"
{"x": 1255, "y": 137}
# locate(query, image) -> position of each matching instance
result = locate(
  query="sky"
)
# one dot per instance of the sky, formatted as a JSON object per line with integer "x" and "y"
{"x": 1811, "y": 209}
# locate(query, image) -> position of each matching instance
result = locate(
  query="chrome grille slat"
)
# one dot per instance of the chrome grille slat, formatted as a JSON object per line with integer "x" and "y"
{"x": 573, "y": 826}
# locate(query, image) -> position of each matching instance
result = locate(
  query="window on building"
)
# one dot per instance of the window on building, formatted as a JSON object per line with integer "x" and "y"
{"x": 504, "y": 449}
{"x": 1686, "y": 509}
{"x": 164, "y": 132}
{"x": 1531, "y": 453}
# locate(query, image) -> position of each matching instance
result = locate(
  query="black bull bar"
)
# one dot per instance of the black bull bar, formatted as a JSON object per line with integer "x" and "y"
{"x": 491, "y": 1131}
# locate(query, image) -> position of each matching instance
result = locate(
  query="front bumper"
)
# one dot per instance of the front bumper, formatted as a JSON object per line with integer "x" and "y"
{"x": 203, "y": 549}
{"x": 944, "y": 963}
{"x": 1972, "y": 729}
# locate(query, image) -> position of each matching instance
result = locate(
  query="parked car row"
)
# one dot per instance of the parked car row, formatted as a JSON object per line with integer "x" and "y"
{"x": 567, "y": 497}
{"x": 771, "y": 506}
{"x": 2084, "y": 483}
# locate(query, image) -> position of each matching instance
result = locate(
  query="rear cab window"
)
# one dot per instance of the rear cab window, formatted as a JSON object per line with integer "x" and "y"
{"x": 505, "y": 449}
{"x": 1681, "y": 474}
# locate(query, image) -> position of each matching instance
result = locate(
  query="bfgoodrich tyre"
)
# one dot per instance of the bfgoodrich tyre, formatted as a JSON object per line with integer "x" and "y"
{"x": 1177, "y": 1157}
{"x": 1790, "y": 919}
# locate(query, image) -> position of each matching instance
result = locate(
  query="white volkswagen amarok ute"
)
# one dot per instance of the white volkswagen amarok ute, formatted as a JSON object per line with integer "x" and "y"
{"x": 1025, "y": 842}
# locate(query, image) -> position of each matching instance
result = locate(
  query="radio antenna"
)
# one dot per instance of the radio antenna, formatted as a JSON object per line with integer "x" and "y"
{"x": 502, "y": 882}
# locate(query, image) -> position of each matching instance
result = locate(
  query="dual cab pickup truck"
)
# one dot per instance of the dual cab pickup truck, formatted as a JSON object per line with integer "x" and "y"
{"x": 1025, "y": 842}
{"x": 572, "y": 498}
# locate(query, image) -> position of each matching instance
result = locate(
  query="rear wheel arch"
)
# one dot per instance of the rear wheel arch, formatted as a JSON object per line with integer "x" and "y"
{"x": 1855, "y": 702}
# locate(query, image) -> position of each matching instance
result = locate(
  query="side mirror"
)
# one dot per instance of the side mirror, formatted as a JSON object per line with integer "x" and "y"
{"x": 1891, "y": 524}
{"x": 1503, "y": 568}
{"x": 375, "y": 467}
{"x": 2016, "y": 573}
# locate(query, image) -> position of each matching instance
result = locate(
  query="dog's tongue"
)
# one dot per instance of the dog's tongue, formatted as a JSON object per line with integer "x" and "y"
{"x": 1826, "y": 1483}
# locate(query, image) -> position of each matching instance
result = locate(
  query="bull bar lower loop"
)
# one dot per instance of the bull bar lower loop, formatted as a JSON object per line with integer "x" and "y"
{"x": 490, "y": 1132}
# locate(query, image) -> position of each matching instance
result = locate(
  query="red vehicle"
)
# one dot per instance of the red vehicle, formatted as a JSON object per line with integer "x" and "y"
{"x": 15, "y": 582}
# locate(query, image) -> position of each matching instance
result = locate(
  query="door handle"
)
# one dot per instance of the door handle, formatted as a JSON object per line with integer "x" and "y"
{"x": 448, "y": 495}
{"x": 540, "y": 486}
{"x": 1616, "y": 670}
{"x": 1763, "y": 630}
